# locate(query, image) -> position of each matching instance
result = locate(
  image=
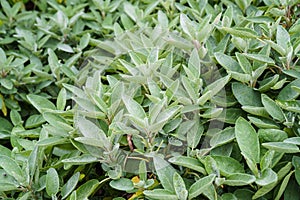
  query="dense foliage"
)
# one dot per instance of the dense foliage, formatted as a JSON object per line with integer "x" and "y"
{"x": 115, "y": 99}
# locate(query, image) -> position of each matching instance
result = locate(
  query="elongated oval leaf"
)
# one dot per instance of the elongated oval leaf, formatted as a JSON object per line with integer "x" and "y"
{"x": 283, "y": 185}
{"x": 239, "y": 179}
{"x": 245, "y": 95}
{"x": 228, "y": 62}
{"x": 189, "y": 162}
{"x": 12, "y": 168}
{"x": 217, "y": 86}
{"x": 122, "y": 184}
{"x": 244, "y": 63}
{"x": 272, "y": 108}
{"x": 262, "y": 122}
{"x": 287, "y": 93}
{"x": 241, "y": 32}
{"x": 194, "y": 134}
{"x": 133, "y": 107}
{"x": 165, "y": 173}
{"x": 225, "y": 136}
{"x": 268, "y": 176}
{"x": 282, "y": 147}
{"x": 293, "y": 140}
{"x": 85, "y": 190}
{"x": 91, "y": 130}
{"x": 70, "y": 185}
{"x": 61, "y": 99}
{"x": 160, "y": 194}
{"x": 228, "y": 165}
{"x": 259, "y": 111}
{"x": 179, "y": 187}
{"x": 260, "y": 58}
{"x": 40, "y": 103}
{"x": 272, "y": 135}
{"x": 199, "y": 186}
{"x": 80, "y": 160}
{"x": 52, "y": 182}
{"x": 247, "y": 139}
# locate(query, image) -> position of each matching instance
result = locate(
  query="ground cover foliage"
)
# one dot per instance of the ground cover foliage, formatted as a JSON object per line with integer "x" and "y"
{"x": 115, "y": 99}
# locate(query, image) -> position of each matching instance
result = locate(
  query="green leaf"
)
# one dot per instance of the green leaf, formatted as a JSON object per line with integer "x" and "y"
{"x": 167, "y": 114}
{"x": 6, "y": 8}
{"x": 52, "y": 141}
{"x": 201, "y": 185}
{"x": 143, "y": 171}
{"x": 165, "y": 173}
{"x": 281, "y": 147}
{"x": 228, "y": 62}
{"x": 92, "y": 131}
{"x": 293, "y": 140}
{"x": 260, "y": 58}
{"x": 264, "y": 190}
{"x": 243, "y": 194}
{"x": 85, "y": 190}
{"x": 12, "y": 168}
{"x": 188, "y": 162}
{"x": 259, "y": 111}
{"x": 61, "y": 99}
{"x": 296, "y": 164}
{"x": 245, "y": 95}
{"x": 122, "y": 184}
{"x": 5, "y": 151}
{"x": 244, "y": 63}
{"x": 8, "y": 84}
{"x": 217, "y": 86}
{"x": 160, "y": 194}
{"x": 194, "y": 63}
{"x": 210, "y": 165}
{"x": 267, "y": 160}
{"x": 194, "y": 134}
{"x": 211, "y": 113}
{"x": 282, "y": 37}
{"x": 223, "y": 137}
{"x": 187, "y": 26}
{"x": 268, "y": 83}
{"x": 283, "y": 185}
{"x": 262, "y": 122}
{"x": 204, "y": 98}
{"x": 239, "y": 179}
{"x": 84, "y": 41}
{"x": 53, "y": 62}
{"x": 243, "y": 4}
{"x": 268, "y": 176}
{"x": 272, "y": 108}
{"x": 287, "y": 93}
{"x": 70, "y": 185}
{"x": 80, "y": 160}
{"x": 229, "y": 196}
{"x": 241, "y": 32}
{"x": 247, "y": 139}
{"x": 228, "y": 165}
{"x": 52, "y": 182}
{"x": 133, "y": 107}
{"x": 15, "y": 118}
{"x": 189, "y": 88}
{"x": 57, "y": 121}
{"x": 179, "y": 187}
{"x": 40, "y": 103}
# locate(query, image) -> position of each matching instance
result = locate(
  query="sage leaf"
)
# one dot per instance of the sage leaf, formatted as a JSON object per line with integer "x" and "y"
{"x": 200, "y": 185}
{"x": 247, "y": 139}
